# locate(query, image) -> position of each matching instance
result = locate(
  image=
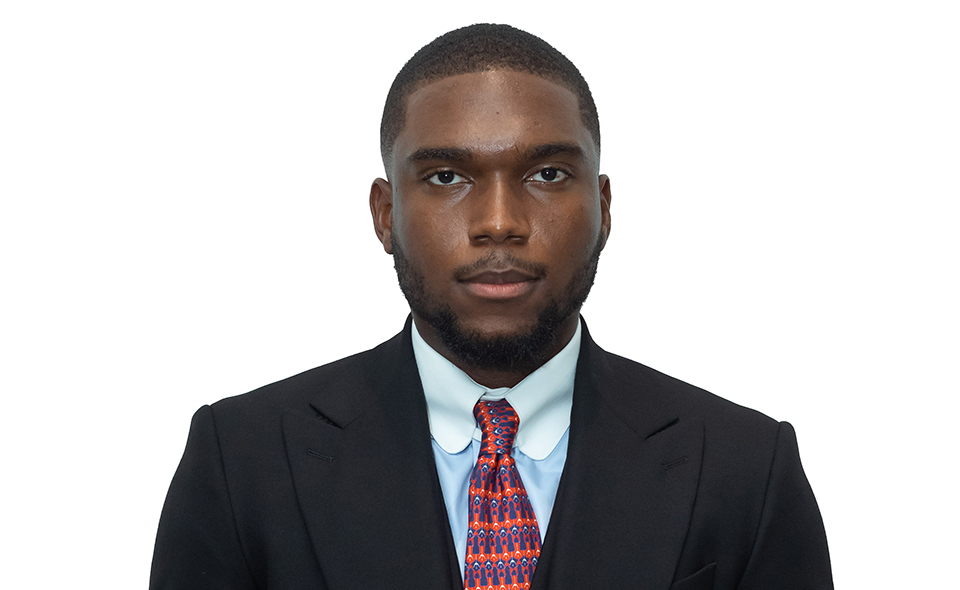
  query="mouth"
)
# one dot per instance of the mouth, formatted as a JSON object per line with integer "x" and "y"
{"x": 499, "y": 284}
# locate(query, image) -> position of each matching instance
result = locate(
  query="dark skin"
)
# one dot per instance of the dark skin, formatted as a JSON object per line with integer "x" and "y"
{"x": 496, "y": 200}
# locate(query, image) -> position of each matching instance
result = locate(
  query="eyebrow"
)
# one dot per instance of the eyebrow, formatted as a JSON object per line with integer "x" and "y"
{"x": 448, "y": 154}
{"x": 462, "y": 155}
{"x": 552, "y": 149}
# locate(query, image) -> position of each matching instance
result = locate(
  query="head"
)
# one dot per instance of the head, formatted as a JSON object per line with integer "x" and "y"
{"x": 479, "y": 48}
{"x": 493, "y": 206}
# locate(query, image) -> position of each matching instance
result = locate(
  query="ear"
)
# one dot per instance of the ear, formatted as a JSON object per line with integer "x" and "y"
{"x": 605, "y": 196}
{"x": 381, "y": 208}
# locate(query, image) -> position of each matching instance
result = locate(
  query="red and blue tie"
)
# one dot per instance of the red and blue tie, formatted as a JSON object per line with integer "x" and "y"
{"x": 503, "y": 540}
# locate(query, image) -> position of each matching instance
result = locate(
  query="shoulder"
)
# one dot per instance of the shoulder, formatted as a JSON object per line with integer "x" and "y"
{"x": 652, "y": 401}
{"x": 644, "y": 384}
{"x": 340, "y": 386}
{"x": 738, "y": 447}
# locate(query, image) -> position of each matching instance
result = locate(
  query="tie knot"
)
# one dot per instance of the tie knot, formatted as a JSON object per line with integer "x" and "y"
{"x": 498, "y": 421}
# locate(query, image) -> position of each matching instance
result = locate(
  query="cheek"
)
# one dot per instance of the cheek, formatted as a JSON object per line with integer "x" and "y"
{"x": 573, "y": 229}
{"x": 428, "y": 233}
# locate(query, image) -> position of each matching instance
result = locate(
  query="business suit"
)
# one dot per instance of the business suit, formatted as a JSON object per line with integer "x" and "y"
{"x": 327, "y": 480}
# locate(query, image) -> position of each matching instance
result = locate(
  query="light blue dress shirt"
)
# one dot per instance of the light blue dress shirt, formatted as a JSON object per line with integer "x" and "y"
{"x": 542, "y": 401}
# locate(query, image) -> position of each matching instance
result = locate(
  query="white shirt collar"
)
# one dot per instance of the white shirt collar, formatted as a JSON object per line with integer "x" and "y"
{"x": 542, "y": 400}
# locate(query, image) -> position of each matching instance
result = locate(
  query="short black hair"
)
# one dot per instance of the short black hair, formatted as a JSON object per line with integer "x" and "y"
{"x": 479, "y": 48}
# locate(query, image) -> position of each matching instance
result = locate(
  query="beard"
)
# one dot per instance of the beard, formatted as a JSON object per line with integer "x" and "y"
{"x": 523, "y": 351}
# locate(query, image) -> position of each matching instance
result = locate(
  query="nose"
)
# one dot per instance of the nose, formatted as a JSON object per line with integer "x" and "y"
{"x": 499, "y": 214}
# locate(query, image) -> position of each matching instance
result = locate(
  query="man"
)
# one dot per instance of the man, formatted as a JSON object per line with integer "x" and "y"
{"x": 491, "y": 443}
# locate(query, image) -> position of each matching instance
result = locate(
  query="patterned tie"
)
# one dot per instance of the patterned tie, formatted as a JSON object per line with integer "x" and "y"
{"x": 503, "y": 540}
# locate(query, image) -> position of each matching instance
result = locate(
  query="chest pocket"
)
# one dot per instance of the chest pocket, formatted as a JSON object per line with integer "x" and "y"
{"x": 701, "y": 580}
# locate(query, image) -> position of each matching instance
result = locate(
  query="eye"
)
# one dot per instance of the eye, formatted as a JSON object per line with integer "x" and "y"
{"x": 444, "y": 177}
{"x": 549, "y": 175}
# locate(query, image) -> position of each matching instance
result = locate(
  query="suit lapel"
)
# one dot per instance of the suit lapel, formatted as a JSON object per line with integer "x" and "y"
{"x": 366, "y": 481}
{"x": 365, "y": 477}
{"x": 628, "y": 485}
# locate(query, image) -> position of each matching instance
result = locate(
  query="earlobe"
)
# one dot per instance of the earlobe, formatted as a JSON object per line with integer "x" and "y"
{"x": 605, "y": 196}
{"x": 381, "y": 208}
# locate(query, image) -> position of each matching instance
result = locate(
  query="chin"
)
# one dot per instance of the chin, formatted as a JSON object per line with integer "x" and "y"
{"x": 498, "y": 343}
{"x": 496, "y": 327}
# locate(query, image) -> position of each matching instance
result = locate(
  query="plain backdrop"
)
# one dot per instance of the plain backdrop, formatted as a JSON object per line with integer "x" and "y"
{"x": 184, "y": 218}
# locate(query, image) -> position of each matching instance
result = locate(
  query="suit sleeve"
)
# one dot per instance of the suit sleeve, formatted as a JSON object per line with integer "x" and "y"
{"x": 197, "y": 546}
{"x": 790, "y": 550}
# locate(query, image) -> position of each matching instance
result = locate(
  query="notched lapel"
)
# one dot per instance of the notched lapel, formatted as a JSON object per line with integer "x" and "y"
{"x": 628, "y": 486}
{"x": 369, "y": 492}
{"x": 623, "y": 510}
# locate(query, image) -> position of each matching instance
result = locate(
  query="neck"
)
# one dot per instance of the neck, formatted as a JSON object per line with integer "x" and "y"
{"x": 494, "y": 377}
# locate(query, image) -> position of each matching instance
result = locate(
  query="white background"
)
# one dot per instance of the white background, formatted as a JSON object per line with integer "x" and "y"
{"x": 184, "y": 217}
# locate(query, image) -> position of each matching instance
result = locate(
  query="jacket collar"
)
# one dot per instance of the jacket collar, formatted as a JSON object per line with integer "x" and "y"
{"x": 629, "y": 483}
{"x": 363, "y": 469}
{"x": 364, "y": 472}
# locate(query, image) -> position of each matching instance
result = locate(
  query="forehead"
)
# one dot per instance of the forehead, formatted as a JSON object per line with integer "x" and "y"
{"x": 491, "y": 112}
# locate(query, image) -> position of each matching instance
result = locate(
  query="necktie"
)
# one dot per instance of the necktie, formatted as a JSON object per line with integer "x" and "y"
{"x": 503, "y": 540}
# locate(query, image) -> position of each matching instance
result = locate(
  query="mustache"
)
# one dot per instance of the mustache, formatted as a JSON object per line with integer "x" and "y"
{"x": 500, "y": 261}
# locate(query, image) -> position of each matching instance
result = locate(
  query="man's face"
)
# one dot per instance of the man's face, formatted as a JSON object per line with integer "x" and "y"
{"x": 495, "y": 214}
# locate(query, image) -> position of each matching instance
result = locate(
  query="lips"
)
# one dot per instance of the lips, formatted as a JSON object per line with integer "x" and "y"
{"x": 499, "y": 277}
{"x": 499, "y": 284}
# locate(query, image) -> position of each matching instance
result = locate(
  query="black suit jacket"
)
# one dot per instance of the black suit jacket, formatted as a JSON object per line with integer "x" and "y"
{"x": 326, "y": 480}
